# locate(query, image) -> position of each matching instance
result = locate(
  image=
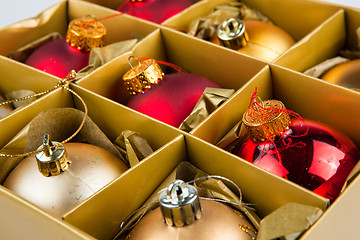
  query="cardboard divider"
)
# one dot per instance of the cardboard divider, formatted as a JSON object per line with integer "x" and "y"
{"x": 57, "y": 18}
{"x": 167, "y": 45}
{"x": 320, "y": 29}
{"x": 14, "y": 76}
{"x": 102, "y": 214}
{"x": 337, "y": 33}
{"x": 13, "y": 123}
{"x": 324, "y": 102}
{"x": 323, "y": 43}
{"x": 226, "y": 116}
{"x": 114, "y": 118}
{"x": 21, "y": 220}
{"x": 292, "y": 19}
{"x": 331, "y": 225}
{"x": 119, "y": 27}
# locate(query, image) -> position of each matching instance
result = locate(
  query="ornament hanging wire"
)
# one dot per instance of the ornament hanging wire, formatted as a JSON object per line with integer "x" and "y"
{"x": 64, "y": 84}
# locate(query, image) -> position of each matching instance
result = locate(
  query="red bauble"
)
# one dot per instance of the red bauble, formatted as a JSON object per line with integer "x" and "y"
{"x": 58, "y": 58}
{"x": 154, "y": 10}
{"x": 319, "y": 160}
{"x": 173, "y": 99}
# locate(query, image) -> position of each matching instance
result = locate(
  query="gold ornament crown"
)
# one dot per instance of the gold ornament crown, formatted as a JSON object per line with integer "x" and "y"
{"x": 141, "y": 77}
{"x": 86, "y": 33}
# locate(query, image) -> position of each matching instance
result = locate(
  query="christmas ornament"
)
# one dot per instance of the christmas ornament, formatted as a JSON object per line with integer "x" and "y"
{"x": 155, "y": 11}
{"x": 60, "y": 56}
{"x": 170, "y": 100}
{"x": 182, "y": 215}
{"x": 308, "y": 153}
{"x": 59, "y": 178}
{"x": 346, "y": 74}
{"x": 255, "y": 38}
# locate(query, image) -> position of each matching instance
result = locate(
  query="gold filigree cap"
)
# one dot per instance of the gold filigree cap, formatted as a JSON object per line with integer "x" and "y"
{"x": 141, "y": 77}
{"x": 86, "y": 33}
{"x": 52, "y": 161}
{"x": 271, "y": 121}
{"x": 232, "y": 34}
{"x": 180, "y": 204}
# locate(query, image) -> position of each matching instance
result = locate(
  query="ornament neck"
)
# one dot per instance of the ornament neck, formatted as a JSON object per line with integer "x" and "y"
{"x": 180, "y": 204}
{"x": 232, "y": 34}
{"x": 52, "y": 160}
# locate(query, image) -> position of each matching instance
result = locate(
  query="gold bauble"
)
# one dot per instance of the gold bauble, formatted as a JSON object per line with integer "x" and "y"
{"x": 182, "y": 216}
{"x": 346, "y": 74}
{"x": 91, "y": 168}
{"x": 258, "y": 39}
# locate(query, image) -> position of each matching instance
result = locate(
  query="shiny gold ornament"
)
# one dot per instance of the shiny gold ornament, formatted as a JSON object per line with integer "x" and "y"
{"x": 346, "y": 74}
{"x": 255, "y": 38}
{"x": 66, "y": 178}
{"x": 141, "y": 77}
{"x": 183, "y": 216}
{"x": 86, "y": 33}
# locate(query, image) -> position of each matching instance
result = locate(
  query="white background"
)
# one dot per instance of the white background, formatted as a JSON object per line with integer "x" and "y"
{"x": 12, "y": 11}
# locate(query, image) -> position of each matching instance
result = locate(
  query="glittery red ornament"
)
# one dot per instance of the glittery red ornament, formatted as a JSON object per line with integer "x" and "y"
{"x": 173, "y": 99}
{"x": 60, "y": 56}
{"x": 155, "y": 11}
{"x": 305, "y": 152}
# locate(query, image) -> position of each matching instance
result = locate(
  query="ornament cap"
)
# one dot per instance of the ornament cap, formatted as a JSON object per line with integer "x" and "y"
{"x": 267, "y": 123}
{"x": 52, "y": 160}
{"x": 86, "y": 33}
{"x": 141, "y": 77}
{"x": 180, "y": 204}
{"x": 232, "y": 34}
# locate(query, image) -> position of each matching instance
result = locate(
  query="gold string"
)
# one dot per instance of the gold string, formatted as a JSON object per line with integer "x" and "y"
{"x": 63, "y": 83}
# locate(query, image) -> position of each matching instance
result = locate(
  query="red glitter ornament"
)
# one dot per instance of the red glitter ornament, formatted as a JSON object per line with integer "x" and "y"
{"x": 170, "y": 100}
{"x": 155, "y": 11}
{"x": 60, "y": 56}
{"x": 305, "y": 152}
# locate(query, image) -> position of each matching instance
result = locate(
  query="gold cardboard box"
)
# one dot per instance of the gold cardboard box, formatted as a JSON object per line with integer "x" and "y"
{"x": 100, "y": 215}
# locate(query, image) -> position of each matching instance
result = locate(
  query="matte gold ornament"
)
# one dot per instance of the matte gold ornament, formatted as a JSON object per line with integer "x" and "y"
{"x": 182, "y": 215}
{"x": 255, "y": 38}
{"x": 346, "y": 74}
{"x": 59, "y": 178}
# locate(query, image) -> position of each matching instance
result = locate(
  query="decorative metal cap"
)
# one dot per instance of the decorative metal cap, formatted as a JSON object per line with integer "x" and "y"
{"x": 232, "y": 34}
{"x": 268, "y": 123}
{"x": 141, "y": 77}
{"x": 180, "y": 204}
{"x": 52, "y": 161}
{"x": 86, "y": 33}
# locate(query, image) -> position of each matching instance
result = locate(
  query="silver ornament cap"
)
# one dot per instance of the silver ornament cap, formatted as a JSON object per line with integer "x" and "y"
{"x": 232, "y": 34}
{"x": 180, "y": 204}
{"x": 52, "y": 160}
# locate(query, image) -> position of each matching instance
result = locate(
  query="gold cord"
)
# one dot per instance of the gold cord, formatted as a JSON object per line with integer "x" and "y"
{"x": 63, "y": 83}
